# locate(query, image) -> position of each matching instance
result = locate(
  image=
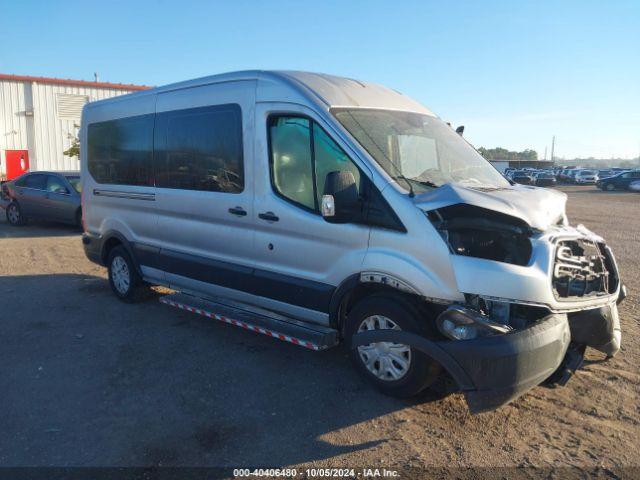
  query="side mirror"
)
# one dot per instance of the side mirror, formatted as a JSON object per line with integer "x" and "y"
{"x": 340, "y": 201}
{"x": 61, "y": 190}
{"x": 460, "y": 130}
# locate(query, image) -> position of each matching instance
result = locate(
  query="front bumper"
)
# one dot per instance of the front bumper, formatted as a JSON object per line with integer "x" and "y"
{"x": 491, "y": 371}
{"x": 503, "y": 367}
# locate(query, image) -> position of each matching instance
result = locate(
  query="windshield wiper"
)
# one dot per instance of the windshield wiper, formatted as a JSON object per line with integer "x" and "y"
{"x": 426, "y": 183}
{"x": 408, "y": 181}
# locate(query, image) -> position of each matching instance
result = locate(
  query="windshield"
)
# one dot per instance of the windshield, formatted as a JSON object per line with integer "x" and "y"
{"x": 587, "y": 172}
{"x": 421, "y": 148}
{"x": 75, "y": 183}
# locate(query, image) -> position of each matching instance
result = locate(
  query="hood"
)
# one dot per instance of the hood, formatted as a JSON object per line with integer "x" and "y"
{"x": 540, "y": 208}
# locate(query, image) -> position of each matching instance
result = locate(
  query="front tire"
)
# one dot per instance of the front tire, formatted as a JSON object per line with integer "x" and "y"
{"x": 14, "y": 215}
{"x": 394, "y": 369}
{"x": 610, "y": 187}
{"x": 123, "y": 276}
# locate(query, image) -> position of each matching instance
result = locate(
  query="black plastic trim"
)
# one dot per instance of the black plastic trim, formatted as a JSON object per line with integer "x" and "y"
{"x": 292, "y": 290}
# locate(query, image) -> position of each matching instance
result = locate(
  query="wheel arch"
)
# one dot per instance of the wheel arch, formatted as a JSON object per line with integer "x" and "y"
{"x": 112, "y": 239}
{"x": 360, "y": 285}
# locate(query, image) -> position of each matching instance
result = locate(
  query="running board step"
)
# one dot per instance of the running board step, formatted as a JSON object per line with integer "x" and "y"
{"x": 314, "y": 337}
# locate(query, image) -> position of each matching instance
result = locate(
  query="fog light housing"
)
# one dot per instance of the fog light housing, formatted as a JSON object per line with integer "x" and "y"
{"x": 462, "y": 323}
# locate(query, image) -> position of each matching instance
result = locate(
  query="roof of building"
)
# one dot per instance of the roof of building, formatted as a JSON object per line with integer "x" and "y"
{"x": 70, "y": 82}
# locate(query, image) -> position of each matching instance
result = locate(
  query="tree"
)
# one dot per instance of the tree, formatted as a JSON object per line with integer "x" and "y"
{"x": 74, "y": 149}
{"x": 500, "y": 153}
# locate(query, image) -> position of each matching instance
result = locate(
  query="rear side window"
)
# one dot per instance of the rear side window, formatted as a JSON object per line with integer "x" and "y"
{"x": 120, "y": 152}
{"x": 200, "y": 149}
{"x": 36, "y": 180}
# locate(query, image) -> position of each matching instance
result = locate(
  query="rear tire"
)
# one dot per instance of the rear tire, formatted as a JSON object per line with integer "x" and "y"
{"x": 396, "y": 370}
{"x": 14, "y": 215}
{"x": 123, "y": 276}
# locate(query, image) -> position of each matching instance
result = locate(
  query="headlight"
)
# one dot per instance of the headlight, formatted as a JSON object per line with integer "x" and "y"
{"x": 461, "y": 323}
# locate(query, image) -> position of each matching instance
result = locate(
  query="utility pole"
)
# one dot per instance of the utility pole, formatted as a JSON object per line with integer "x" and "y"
{"x": 545, "y": 154}
{"x": 553, "y": 144}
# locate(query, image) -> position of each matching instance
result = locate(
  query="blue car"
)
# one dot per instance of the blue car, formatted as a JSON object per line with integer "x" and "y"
{"x": 620, "y": 181}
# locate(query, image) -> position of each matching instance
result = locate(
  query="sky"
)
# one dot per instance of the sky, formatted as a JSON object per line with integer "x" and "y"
{"x": 515, "y": 73}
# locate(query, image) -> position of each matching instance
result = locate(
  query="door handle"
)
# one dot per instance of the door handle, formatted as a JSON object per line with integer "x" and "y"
{"x": 269, "y": 216}
{"x": 238, "y": 211}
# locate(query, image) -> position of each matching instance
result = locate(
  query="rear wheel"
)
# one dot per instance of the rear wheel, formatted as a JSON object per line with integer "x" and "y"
{"x": 14, "y": 215}
{"x": 394, "y": 369}
{"x": 123, "y": 276}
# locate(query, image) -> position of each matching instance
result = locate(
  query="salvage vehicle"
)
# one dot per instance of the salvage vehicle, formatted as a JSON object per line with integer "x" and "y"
{"x": 585, "y": 177}
{"x": 522, "y": 178}
{"x": 544, "y": 179}
{"x": 317, "y": 210}
{"x": 621, "y": 181}
{"x": 52, "y": 196}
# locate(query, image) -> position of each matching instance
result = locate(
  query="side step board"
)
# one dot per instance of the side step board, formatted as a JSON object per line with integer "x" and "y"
{"x": 314, "y": 337}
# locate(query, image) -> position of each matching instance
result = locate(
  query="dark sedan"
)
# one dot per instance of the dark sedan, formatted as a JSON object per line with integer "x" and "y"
{"x": 44, "y": 195}
{"x": 545, "y": 179}
{"x": 619, "y": 182}
{"x": 522, "y": 178}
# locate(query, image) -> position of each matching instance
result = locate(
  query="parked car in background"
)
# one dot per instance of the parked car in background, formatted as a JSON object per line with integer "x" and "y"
{"x": 44, "y": 195}
{"x": 565, "y": 175}
{"x": 522, "y": 178}
{"x": 544, "y": 179}
{"x": 621, "y": 181}
{"x": 606, "y": 173}
{"x": 585, "y": 177}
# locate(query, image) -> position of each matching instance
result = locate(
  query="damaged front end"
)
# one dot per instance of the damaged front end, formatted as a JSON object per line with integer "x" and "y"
{"x": 537, "y": 291}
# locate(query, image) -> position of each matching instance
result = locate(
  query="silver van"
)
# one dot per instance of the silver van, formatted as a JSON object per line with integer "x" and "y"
{"x": 318, "y": 209}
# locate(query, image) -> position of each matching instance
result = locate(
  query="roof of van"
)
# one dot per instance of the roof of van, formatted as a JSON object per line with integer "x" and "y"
{"x": 330, "y": 90}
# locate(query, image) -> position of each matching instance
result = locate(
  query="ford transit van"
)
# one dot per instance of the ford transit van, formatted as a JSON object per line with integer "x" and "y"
{"x": 320, "y": 210}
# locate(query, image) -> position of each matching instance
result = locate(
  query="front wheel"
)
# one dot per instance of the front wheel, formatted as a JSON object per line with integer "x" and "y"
{"x": 14, "y": 215}
{"x": 123, "y": 276}
{"x": 395, "y": 369}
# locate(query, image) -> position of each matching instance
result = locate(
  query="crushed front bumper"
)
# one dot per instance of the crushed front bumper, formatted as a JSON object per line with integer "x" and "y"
{"x": 503, "y": 367}
{"x": 491, "y": 371}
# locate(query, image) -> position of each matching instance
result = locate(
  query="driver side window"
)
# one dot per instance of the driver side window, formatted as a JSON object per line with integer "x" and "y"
{"x": 301, "y": 156}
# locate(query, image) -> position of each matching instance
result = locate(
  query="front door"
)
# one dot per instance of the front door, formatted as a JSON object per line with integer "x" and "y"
{"x": 60, "y": 201}
{"x": 17, "y": 163}
{"x": 300, "y": 258}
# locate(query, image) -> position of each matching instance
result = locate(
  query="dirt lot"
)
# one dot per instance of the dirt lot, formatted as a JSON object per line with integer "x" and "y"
{"x": 87, "y": 380}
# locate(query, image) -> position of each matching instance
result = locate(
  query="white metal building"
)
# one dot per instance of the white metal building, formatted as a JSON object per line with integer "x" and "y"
{"x": 40, "y": 117}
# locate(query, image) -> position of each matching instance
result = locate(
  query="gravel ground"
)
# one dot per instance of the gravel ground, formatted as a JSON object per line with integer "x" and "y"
{"x": 87, "y": 380}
